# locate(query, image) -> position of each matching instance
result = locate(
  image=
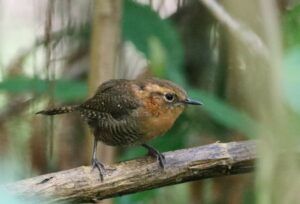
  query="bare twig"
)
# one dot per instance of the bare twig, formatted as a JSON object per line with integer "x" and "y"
{"x": 241, "y": 32}
{"x": 82, "y": 184}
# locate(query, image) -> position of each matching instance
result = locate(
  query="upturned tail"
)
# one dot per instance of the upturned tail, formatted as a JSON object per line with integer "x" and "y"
{"x": 58, "y": 110}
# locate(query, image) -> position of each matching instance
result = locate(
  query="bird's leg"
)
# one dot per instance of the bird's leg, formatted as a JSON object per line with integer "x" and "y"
{"x": 154, "y": 153}
{"x": 96, "y": 163}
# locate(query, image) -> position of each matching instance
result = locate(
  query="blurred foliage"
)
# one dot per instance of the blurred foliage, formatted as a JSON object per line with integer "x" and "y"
{"x": 158, "y": 40}
{"x": 157, "y": 57}
{"x": 291, "y": 27}
{"x": 7, "y": 198}
{"x": 291, "y": 71}
{"x": 291, "y": 79}
{"x": 11, "y": 169}
{"x": 226, "y": 114}
{"x": 155, "y": 38}
{"x": 65, "y": 90}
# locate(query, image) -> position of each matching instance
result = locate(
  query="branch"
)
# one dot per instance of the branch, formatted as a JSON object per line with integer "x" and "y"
{"x": 83, "y": 185}
{"x": 241, "y": 32}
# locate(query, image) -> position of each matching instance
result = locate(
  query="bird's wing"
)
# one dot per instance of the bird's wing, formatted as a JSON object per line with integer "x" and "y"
{"x": 112, "y": 85}
{"x": 113, "y": 98}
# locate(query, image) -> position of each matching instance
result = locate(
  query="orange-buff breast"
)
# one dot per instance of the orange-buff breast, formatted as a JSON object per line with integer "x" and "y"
{"x": 157, "y": 119}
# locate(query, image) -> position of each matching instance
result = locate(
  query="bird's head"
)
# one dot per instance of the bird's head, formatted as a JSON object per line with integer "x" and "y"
{"x": 163, "y": 95}
{"x": 161, "y": 103}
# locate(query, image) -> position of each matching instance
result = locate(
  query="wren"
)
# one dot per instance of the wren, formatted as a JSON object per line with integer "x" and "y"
{"x": 130, "y": 112}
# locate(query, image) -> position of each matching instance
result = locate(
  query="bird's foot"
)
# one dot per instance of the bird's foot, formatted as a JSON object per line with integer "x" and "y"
{"x": 156, "y": 154}
{"x": 99, "y": 166}
{"x": 159, "y": 156}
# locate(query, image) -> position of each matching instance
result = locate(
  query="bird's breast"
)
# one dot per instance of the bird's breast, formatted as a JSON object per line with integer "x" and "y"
{"x": 155, "y": 120}
{"x": 153, "y": 127}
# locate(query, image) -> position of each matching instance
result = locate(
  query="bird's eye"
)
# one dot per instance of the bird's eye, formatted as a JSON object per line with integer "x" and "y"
{"x": 169, "y": 97}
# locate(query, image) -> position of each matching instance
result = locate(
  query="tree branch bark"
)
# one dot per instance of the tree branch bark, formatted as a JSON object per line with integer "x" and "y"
{"x": 83, "y": 185}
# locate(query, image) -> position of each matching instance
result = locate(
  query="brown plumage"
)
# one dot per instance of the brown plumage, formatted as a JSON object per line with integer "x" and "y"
{"x": 130, "y": 112}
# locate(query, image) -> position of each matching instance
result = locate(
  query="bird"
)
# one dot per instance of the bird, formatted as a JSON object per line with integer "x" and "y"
{"x": 130, "y": 112}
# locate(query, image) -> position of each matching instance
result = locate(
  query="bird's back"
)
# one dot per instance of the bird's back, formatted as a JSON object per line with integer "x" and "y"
{"x": 111, "y": 113}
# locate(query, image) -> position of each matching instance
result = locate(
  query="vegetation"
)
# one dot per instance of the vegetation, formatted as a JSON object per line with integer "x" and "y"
{"x": 242, "y": 62}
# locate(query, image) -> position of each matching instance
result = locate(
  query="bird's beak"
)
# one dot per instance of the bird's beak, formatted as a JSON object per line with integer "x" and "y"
{"x": 192, "y": 102}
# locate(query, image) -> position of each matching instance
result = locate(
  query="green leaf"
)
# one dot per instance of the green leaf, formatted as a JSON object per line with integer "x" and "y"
{"x": 64, "y": 90}
{"x": 154, "y": 37}
{"x": 68, "y": 90}
{"x": 22, "y": 84}
{"x": 157, "y": 57}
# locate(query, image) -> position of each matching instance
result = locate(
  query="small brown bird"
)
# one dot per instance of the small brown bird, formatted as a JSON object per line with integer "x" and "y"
{"x": 130, "y": 112}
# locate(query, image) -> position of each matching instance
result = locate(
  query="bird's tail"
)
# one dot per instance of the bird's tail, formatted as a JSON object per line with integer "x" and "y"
{"x": 59, "y": 110}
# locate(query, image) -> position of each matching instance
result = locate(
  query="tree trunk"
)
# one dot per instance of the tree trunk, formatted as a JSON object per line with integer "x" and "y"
{"x": 104, "y": 55}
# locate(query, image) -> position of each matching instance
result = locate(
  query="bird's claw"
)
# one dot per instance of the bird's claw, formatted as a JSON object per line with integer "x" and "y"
{"x": 99, "y": 166}
{"x": 159, "y": 156}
